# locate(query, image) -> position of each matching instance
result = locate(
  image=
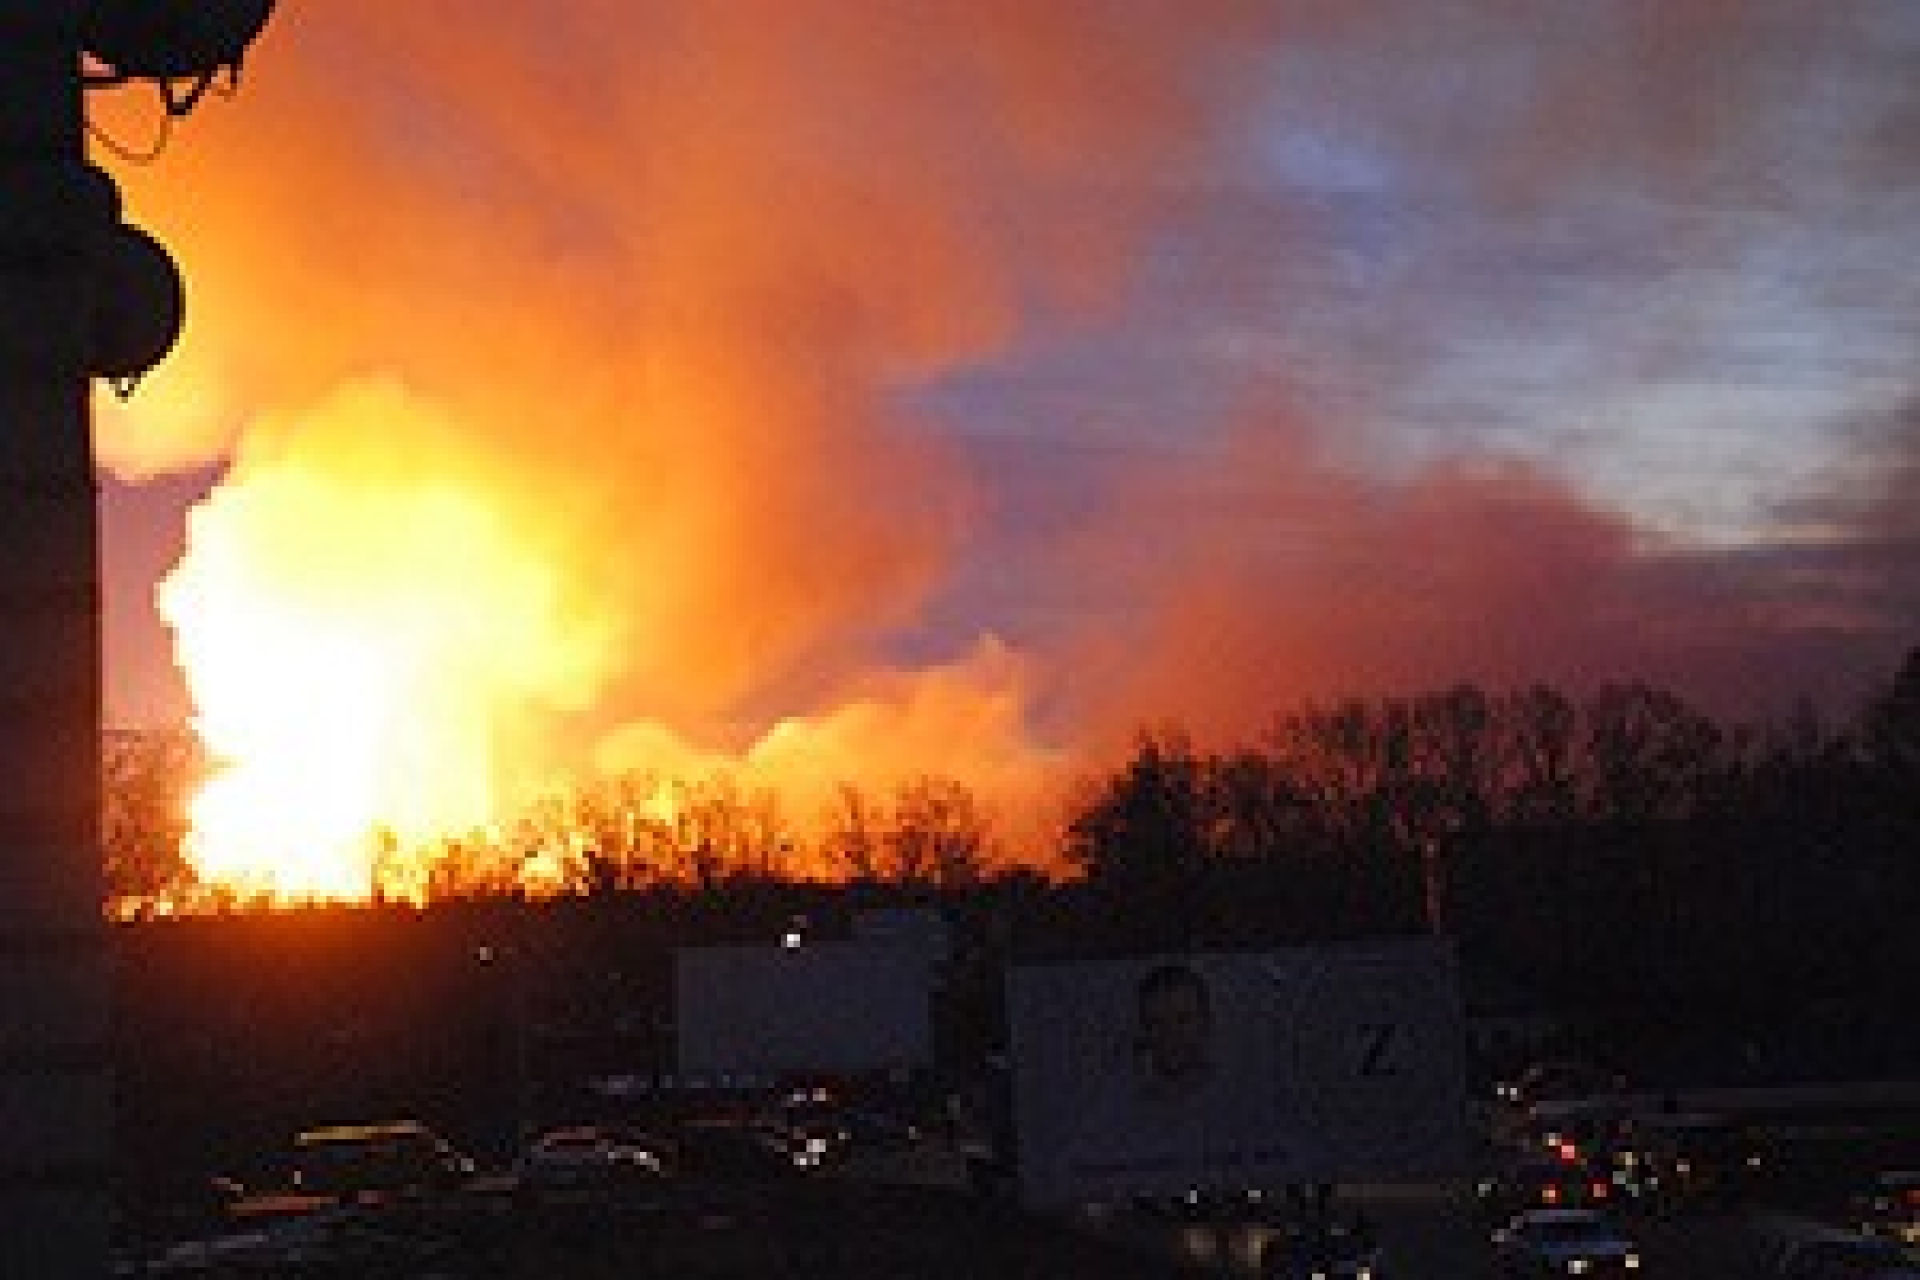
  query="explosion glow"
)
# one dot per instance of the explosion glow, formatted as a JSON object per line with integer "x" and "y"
{"x": 375, "y": 626}
{"x": 349, "y": 658}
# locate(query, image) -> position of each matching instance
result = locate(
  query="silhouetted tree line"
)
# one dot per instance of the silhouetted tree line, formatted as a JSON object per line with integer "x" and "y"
{"x": 1620, "y": 849}
{"x": 627, "y": 832}
{"x": 1422, "y": 774}
{"x": 1465, "y": 810}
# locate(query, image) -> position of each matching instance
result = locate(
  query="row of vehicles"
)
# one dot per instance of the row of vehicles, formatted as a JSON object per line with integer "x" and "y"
{"x": 1664, "y": 1160}
{"x": 391, "y": 1198}
{"x": 1571, "y": 1225}
{"x": 1609, "y": 1145}
{"x": 1590, "y": 1242}
{"x": 1598, "y": 1157}
{"x": 1662, "y": 1157}
{"x": 1576, "y": 1161}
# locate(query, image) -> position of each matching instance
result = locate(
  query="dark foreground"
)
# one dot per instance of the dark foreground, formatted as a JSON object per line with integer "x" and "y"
{"x": 821, "y": 1227}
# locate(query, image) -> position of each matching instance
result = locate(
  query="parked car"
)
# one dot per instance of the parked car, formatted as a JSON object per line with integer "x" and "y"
{"x": 1322, "y": 1251}
{"x": 1816, "y": 1251}
{"x": 1565, "y": 1242}
{"x": 377, "y": 1163}
{"x": 1542, "y": 1181}
{"x": 1672, "y": 1160}
{"x": 879, "y": 1128}
{"x": 1889, "y": 1208}
{"x": 719, "y": 1151}
{"x": 343, "y": 1241}
{"x": 1559, "y": 1080}
{"x": 1588, "y": 1130}
{"x": 593, "y": 1157}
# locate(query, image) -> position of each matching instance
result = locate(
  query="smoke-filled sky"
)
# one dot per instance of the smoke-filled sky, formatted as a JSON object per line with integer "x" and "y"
{"x": 968, "y": 383}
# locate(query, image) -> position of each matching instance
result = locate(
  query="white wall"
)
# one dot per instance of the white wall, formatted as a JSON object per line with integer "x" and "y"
{"x": 823, "y": 1006}
{"x": 1333, "y": 1063}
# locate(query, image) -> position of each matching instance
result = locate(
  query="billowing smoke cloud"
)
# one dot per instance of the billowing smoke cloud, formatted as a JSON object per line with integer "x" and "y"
{"x": 669, "y": 296}
{"x": 632, "y": 286}
{"x": 1275, "y": 576}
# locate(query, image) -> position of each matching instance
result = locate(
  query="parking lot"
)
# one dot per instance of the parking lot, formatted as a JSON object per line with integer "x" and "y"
{"x": 812, "y": 1226}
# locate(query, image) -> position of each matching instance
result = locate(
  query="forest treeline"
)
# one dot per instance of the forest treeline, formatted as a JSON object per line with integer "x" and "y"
{"x": 1428, "y": 777}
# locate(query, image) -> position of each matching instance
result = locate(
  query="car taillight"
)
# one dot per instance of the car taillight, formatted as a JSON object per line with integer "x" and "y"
{"x": 1550, "y": 1194}
{"x": 1600, "y": 1190}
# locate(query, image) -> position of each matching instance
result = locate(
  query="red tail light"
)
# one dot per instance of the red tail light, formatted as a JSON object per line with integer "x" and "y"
{"x": 1600, "y": 1191}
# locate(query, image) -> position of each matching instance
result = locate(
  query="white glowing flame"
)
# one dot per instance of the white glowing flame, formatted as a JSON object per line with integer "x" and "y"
{"x": 351, "y": 642}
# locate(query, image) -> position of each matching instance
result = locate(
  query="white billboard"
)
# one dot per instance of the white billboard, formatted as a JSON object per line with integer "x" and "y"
{"x": 820, "y": 1006}
{"x": 1160, "y": 1074}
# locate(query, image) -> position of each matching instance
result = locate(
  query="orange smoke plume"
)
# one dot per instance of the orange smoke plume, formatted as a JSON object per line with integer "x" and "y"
{"x": 555, "y": 357}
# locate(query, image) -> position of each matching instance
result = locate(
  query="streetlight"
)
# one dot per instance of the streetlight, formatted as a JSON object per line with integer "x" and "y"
{"x": 794, "y": 936}
{"x": 1433, "y": 884}
{"x": 171, "y": 42}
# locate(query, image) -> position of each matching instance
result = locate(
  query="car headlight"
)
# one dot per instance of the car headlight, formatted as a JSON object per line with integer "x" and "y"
{"x": 1577, "y": 1266}
{"x": 1632, "y": 1261}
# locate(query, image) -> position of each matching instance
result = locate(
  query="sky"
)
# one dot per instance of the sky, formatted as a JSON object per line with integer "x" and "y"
{"x": 963, "y": 385}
